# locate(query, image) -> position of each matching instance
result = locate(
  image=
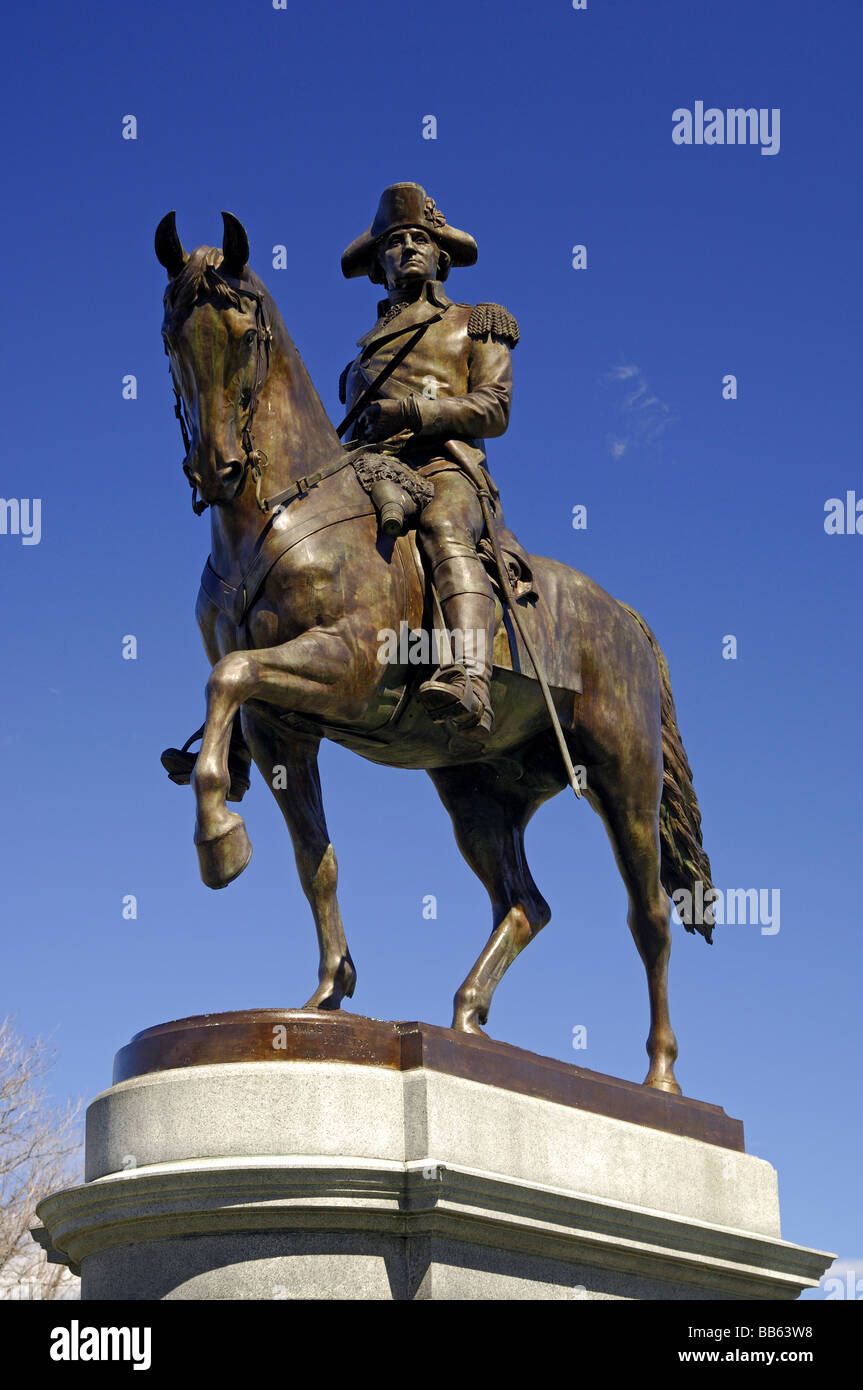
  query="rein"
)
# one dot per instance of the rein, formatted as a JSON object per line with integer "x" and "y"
{"x": 277, "y": 503}
{"x": 256, "y": 459}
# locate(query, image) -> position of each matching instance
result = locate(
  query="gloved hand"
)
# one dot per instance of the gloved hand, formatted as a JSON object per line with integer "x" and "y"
{"x": 383, "y": 419}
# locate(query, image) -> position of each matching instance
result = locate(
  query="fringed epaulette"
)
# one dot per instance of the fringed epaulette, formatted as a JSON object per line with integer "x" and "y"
{"x": 494, "y": 319}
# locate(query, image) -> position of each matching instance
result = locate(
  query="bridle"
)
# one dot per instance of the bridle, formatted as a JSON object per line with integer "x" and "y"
{"x": 255, "y": 460}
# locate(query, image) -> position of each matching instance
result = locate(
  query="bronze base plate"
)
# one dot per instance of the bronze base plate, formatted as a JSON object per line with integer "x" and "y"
{"x": 312, "y": 1035}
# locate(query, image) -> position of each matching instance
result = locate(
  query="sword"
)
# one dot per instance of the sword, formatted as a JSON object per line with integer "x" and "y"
{"x": 509, "y": 598}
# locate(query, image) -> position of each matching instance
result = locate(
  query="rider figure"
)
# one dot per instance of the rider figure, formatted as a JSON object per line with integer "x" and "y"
{"x": 448, "y": 391}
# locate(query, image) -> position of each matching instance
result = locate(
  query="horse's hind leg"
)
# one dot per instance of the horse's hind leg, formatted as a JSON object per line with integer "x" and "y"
{"x": 289, "y": 764}
{"x": 489, "y": 817}
{"x": 634, "y": 834}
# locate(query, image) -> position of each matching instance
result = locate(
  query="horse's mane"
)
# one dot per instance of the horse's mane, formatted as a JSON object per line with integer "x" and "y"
{"x": 198, "y": 281}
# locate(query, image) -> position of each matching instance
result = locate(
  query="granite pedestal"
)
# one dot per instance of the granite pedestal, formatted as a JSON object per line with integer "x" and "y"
{"x": 279, "y": 1154}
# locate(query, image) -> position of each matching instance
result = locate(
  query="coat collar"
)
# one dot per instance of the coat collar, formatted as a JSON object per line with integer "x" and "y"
{"x": 432, "y": 300}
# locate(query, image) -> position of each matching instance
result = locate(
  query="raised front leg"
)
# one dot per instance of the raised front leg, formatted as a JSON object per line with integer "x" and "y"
{"x": 313, "y": 674}
{"x": 290, "y": 766}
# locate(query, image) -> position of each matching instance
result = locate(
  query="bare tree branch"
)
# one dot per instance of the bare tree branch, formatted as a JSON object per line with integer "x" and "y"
{"x": 40, "y": 1151}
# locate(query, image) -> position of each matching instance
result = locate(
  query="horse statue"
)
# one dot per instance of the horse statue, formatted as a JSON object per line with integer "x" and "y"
{"x": 300, "y": 586}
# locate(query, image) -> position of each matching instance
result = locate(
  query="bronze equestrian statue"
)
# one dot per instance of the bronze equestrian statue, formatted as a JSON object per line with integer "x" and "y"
{"x": 327, "y": 561}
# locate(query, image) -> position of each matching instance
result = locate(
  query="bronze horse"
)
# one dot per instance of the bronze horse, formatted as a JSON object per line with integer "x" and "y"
{"x": 300, "y": 585}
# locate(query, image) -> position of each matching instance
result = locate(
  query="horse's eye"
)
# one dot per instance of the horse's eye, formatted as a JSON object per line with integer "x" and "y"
{"x": 250, "y": 336}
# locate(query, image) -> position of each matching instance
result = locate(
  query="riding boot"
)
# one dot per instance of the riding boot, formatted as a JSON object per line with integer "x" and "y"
{"x": 459, "y": 691}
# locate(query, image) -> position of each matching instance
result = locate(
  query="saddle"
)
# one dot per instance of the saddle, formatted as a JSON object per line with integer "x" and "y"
{"x": 399, "y": 495}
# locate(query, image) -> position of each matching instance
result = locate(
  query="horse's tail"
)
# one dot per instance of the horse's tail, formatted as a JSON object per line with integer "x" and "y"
{"x": 684, "y": 860}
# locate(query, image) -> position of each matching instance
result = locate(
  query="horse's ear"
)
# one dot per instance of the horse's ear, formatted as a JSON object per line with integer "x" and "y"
{"x": 169, "y": 247}
{"x": 235, "y": 246}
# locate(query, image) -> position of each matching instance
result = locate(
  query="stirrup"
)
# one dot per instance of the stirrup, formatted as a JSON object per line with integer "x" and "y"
{"x": 179, "y": 764}
{"x": 451, "y": 696}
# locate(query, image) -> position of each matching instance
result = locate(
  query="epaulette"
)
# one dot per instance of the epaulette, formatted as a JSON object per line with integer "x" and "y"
{"x": 494, "y": 319}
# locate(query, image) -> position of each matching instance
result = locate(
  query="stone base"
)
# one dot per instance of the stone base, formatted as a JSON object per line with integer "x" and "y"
{"x": 350, "y": 1159}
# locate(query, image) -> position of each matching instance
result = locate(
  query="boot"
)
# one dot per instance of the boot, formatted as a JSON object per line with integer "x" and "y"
{"x": 458, "y": 693}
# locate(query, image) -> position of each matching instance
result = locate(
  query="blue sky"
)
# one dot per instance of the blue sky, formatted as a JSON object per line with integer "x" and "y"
{"x": 707, "y": 515}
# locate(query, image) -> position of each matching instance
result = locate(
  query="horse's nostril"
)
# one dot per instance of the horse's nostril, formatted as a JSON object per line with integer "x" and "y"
{"x": 231, "y": 472}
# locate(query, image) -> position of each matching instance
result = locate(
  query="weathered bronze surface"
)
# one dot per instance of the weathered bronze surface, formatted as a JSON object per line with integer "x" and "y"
{"x": 247, "y": 1036}
{"x": 303, "y": 579}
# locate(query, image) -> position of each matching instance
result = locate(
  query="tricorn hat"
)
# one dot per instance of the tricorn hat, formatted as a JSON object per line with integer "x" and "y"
{"x": 407, "y": 205}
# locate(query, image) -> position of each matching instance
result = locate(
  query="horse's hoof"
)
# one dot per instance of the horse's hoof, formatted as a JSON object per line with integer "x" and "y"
{"x": 664, "y": 1083}
{"x": 336, "y": 987}
{"x": 468, "y": 1024}
{"x": 323, "y": 1003}
{"x": 224, "y": 859}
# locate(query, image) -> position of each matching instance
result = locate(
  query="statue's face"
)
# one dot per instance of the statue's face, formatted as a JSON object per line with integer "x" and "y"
{"x": 407, "y": 255}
